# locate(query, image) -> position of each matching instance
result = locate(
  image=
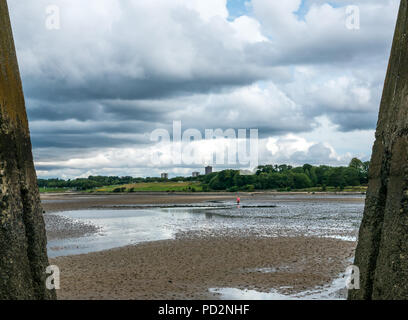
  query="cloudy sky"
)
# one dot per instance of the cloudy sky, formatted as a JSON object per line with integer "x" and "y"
{"x": 116, "y": 70}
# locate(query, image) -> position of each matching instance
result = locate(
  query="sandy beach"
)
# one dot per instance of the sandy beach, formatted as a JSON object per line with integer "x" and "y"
{"x": 190, "y": 265}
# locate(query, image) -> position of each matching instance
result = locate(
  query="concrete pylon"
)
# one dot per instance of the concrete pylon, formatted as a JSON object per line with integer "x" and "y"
{"x": 382, "y": 251}
{"x": 23, "y": 255}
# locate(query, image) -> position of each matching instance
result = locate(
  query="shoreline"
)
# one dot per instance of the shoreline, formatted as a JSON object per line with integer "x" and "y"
{"x": 201, "y": 193}
{"x": 57, "y": 202}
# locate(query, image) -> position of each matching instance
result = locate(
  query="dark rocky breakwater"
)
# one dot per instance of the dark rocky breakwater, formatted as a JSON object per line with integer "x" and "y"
{"x": 382, "y": 251}
{"x": 23, "y": 255}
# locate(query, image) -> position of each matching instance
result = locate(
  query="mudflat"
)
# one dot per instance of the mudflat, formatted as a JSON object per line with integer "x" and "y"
{"x": 188, "y": 268}
{"x": 53, "y": 202}
{"x": 193, "y": 263}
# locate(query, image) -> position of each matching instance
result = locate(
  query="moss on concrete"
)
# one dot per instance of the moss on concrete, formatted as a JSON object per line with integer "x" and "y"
{"x": 382, "y": 251}
{"x": 23, "y": 255}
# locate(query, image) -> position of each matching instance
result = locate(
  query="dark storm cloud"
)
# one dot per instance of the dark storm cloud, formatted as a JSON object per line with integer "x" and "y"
{"x": 357, "y": 120}
{"x": 84, "y": 140}
{"x": 41, "y": 110}
{"x": 48, "y": 167}
{"x": 124, "y": 88}
{"x": 54, "y": 111}
{"x": 341, "y": 52}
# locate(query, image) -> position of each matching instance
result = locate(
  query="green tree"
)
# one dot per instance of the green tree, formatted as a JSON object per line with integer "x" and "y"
{"x": 301, "y": 181}
{"x": 336, "y": 178}
{"x": 356, "y": 164}
{"x": 351, "y": 176}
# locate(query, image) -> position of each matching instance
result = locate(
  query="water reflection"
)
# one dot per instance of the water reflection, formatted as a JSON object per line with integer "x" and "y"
{"x": 124, "y": 227}
{"x": 209, "y": 215}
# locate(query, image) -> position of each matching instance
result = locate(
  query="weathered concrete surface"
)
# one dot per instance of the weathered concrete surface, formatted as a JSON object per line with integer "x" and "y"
{"x": 382, "y": 251}
{"x": 23, "y": 255}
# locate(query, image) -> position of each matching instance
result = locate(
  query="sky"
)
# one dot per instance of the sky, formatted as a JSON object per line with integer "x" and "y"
{"x": 100, "y": 76}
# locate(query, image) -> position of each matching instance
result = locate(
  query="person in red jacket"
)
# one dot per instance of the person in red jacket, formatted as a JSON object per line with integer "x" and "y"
{"x": 238, "y": 200}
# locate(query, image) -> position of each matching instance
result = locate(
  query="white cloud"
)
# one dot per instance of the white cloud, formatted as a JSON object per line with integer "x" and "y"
{"x": 248, "y": 30}
{"x": 208, "y": 9}
{"x": 287, "y": 145}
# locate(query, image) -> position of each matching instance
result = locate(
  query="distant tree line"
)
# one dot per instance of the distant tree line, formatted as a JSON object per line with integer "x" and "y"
{"x": 92, "y": 182}
{"x": 286, "y": 177}
{"x": 267, "y": 177}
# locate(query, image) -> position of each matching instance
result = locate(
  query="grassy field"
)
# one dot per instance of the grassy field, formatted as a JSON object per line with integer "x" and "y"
{"x": 333, "y": 189}
{"x": 154, "y": 187}
{"x": 187, "y": 187}
{"x": 53, "y": 190}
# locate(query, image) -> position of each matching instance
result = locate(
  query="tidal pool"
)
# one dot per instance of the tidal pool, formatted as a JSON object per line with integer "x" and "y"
{"x": 335, "y": 291}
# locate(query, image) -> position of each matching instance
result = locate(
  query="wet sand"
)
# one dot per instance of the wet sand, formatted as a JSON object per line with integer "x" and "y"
{"x": 77, "y": 201}
{"x": 62, "y": 228}
{"x": 187, "y": 267}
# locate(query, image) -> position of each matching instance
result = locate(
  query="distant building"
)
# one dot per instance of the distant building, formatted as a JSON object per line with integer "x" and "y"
{"x": 196, "y": 174}
{"x": 208, "y": 170}
{"x": 165, "y": 176}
